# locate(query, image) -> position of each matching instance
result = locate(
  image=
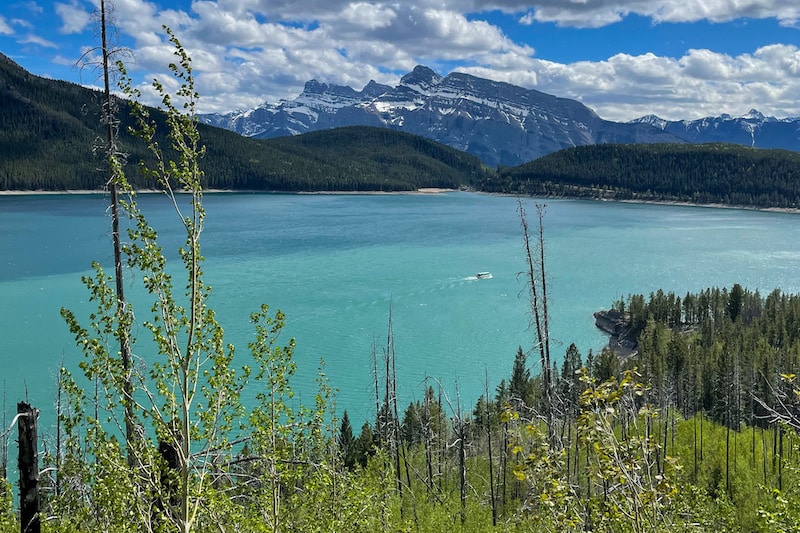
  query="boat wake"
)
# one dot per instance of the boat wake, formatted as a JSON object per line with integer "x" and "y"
{"x": 479, "y": 275}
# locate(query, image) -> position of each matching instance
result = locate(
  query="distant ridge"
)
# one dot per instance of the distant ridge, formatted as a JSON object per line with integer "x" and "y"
{"x": 751, "y": 129}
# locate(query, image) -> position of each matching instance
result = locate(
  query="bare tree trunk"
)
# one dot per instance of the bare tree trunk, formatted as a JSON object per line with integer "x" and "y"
{"x": 4, "y": 450}
{"x": 28, "y": 469}
{"x": 428, "y": 437}
{"x": 489, "y": 445}
{"x": 58, "y": 433}
{"x": 109, "y": 121}
{"x": 694, "y": 423}
{"x": 460, "y": 428}
{"x": 504, "y": 462}
{"x": 442, "y": 440}
{"x": 702, "y": 416}
{"x": 764, "y": 454}
{"x": 546, "y": 316}
{"x": 377, "y": 386}
{"x": 568, "y": 447}
{"x": 728, "y": 456}
{"x": 663, "y": 458}
{"x": 539, "y": 309}
{"x": 780, "y": 458}
{"x": 577, "y": 458}
{"x": 391, "y": 406}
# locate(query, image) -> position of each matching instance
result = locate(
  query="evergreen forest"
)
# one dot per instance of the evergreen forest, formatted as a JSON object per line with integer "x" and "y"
{"x": 696, "y": 173}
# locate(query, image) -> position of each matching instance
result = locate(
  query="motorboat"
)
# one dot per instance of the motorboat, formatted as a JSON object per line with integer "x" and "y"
{"x": 483, "y": 275}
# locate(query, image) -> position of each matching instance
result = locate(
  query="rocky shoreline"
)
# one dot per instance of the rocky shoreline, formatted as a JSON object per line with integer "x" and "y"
{"x": 617, "y": 326}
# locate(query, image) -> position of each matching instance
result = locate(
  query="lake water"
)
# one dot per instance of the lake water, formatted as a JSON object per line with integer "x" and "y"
{"x": 335, "y": 264}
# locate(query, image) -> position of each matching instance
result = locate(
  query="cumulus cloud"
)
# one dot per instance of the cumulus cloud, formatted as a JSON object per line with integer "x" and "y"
{"x": 700, "y": 83}
{"x": 597, "y": 13}
{"x": 74, "y": 18}
{"x": 249, "y": 51}
{"x": 253, "y": 49}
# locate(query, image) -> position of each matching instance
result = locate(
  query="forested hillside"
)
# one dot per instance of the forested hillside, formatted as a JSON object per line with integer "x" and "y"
{"x": 48, "y": 129}
{"x": 705, "y": 173}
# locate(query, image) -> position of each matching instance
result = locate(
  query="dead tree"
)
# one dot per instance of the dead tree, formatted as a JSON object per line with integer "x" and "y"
{"x": 28, "y": 465}
{"x": 3, "y": 450}
{"x": 537, "y": 285}
{"x": 117, "y": 184}
{"x": 489, "y": 443}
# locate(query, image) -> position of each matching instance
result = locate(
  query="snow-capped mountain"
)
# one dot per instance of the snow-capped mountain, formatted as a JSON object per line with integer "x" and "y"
{"x": 752, "y": 129}
{"x": 501, "y": 123}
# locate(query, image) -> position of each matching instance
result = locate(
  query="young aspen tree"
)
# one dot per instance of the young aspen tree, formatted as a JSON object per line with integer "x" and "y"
{"x": 186, "y": 409}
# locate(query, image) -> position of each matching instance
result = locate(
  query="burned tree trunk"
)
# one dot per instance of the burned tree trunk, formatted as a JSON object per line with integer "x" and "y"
{"x": 28, "y": 469}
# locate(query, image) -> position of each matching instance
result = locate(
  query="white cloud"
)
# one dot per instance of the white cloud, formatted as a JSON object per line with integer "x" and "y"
{"x": 597, "y": 13}
{"x": 5, "y": 29}
{"x": 701, "y": 83}
{"x": 698, "y": 84}
{"x": 368, "y": 16}
{"x": 248, "y": 51}
{"x": 34, "y": 7}
{"x": 73, "y": 17}
{"x": 22, "y": 23}
{"x": 35, "y": 39}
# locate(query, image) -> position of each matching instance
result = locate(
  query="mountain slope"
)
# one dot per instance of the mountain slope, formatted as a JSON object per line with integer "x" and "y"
{"x": 501, "y": 123}
{"x": 48, "y": 130}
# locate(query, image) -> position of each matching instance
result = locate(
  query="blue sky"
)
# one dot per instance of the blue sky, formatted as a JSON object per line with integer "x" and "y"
{"x": 678, "y": 59}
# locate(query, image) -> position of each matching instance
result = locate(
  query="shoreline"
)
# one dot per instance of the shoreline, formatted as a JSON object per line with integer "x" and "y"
{"x": 420, "y": 191}
{"x": 789, "y": 210}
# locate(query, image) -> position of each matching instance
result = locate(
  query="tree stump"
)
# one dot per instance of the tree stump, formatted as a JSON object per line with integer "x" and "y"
{"x": 28, "y": 469}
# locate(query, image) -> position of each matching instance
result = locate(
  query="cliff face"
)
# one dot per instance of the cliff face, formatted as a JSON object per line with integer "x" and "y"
{"x": 617, "y": 326}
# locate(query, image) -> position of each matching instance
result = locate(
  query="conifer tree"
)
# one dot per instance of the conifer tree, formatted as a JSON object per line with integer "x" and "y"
{"x": 347, "y": 442}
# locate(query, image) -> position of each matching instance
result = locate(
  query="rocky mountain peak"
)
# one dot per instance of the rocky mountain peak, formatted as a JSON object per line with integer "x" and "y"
{"x": 753, "y": 114}
{"x": 421, "y": 79}
{"x": 315, "y": 88}
{"x": 374, "y": 89}
{"x": 653, "y": 120}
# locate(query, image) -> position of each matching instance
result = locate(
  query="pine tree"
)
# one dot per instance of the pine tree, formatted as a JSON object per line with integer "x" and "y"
{"x": 347, "y": 442}
{"x": 519, "y": 385}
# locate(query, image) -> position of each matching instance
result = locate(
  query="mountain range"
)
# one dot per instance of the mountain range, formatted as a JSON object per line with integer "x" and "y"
{"x": 752, "y": 129}
{"x": 502, "y": 124}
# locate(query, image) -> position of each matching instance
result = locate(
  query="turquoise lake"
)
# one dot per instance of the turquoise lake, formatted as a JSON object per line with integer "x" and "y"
{"x": 336, "y": 263}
